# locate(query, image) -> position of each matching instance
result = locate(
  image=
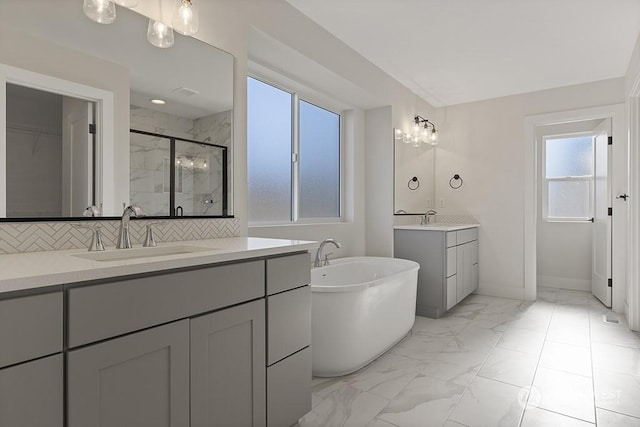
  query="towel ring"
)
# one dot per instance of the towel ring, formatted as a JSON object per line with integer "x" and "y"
{"x": 413, "y": 183}
{"x": 453, "y": 182}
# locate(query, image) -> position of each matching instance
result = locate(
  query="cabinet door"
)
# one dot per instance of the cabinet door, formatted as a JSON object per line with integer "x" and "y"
{"x": 452, "y": 295}
{"x": 31, "y": 394}
{"x": 464, "y": 270}
{"x": 138, "y": 380}
{"x": 228, "y": 377}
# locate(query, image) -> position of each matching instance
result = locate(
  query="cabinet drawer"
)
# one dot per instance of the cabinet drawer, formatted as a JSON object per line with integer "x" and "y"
{"x": 288, "y": 323}
{"x": 451, "y": 239}
{"x": 289, "y": 389}
{"x": 31, "y": 394}
{"x": 452, "y": 297}
{"x": 106, "y": 310}
{"x": 288, "y": 272}
{"x": 467, "y": 235}
{"x": 30, "y": 327}
{"x": 451, "y": 261}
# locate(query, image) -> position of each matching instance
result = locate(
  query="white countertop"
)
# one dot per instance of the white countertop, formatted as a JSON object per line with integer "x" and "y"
{"x": 435, "y": 227}
{"x": 19, "y": 272}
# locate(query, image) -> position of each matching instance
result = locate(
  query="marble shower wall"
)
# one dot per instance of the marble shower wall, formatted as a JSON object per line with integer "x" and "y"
{"x": 199, "y": 188}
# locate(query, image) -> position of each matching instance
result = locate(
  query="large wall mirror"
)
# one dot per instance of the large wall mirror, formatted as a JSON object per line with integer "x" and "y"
{"x": 414, "y": 178}
{"x": 78, "y": 126}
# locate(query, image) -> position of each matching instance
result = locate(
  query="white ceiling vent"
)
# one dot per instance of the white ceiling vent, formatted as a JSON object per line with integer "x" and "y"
{"x": 185, "y": 91}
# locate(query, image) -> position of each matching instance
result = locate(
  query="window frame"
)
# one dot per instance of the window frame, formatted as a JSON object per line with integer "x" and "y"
{"x": 545, "y": 181}
{"x": 301, "y": 94}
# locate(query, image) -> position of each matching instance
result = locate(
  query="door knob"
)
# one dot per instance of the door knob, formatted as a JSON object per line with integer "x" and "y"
{"x": 622, "y": 196}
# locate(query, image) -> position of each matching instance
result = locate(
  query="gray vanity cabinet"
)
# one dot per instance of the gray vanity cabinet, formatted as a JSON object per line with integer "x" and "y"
{"x": 228, "y": 372}
{"x": 448, "y": 266}
{"x": 31, "y": 394}
{"x": 138, "y": 380}
{"x": 31, "y": 361}
{"x": 288, "y": 339}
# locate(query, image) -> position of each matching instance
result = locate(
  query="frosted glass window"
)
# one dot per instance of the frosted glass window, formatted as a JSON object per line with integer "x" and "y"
{"x": 568, "y": 174}
{"x": 319, "y": 162}
{"x": 293, "y": 157}
{"x": 569, "y": 157}
{"x": 569, "y": 199}
{"x": 269, "y": 145}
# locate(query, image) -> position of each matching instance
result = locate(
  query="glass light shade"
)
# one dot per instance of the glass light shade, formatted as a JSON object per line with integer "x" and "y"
{"x": 415, "y": 130}
{"x": 185, "y": 18}
{"x": 415, "y": 141}
{"x": 100, "y": 11}
{"x": 126, "y": 3}
{"x": 406, "y": 137}
{"x": 434, "y": 137}
{"x": 159, "y": 34}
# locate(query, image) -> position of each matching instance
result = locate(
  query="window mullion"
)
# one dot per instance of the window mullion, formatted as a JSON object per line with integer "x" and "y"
{"x": 295, "y": 163}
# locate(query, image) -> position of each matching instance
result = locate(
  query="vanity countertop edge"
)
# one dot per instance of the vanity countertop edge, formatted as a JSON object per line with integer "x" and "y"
{"x": 435, "y": 227}
{"x": 34, "y": 270}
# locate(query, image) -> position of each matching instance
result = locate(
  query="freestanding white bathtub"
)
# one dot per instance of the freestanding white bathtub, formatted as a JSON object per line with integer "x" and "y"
{"x": 361, "y": 307}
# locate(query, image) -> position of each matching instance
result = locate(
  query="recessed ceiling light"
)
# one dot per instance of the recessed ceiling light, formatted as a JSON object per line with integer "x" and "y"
{"x": 158, "y": 101}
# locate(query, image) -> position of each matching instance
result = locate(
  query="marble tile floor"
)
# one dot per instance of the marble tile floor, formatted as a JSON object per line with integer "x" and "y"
{"x": 496, "y": 362}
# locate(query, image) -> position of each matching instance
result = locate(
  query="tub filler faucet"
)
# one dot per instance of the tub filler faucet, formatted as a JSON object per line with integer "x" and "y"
{"x": 318, "y": 261}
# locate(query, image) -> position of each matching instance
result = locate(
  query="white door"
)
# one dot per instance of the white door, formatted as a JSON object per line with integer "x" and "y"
{"x": 77, "y": 148}
{"x": 601, "y": 264}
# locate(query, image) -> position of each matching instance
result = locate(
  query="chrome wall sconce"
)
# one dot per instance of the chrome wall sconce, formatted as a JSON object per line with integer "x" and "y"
{"x": 422, "y": 132}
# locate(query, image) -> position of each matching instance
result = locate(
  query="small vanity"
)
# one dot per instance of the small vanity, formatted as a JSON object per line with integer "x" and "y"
{"x": 217, "y": 336}
{"x": 448, "y": 258}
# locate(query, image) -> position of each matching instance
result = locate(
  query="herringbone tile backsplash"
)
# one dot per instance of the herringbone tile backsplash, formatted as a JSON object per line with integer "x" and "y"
{"x": 17, "y": 237}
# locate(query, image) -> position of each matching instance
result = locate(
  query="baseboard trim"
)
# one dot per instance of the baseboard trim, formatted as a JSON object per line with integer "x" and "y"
{"x": 501, "y": 291}
{"x": 564, "y": 283}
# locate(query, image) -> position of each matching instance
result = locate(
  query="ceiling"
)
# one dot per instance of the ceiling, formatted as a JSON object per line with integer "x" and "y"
{"x": 456, "y": 51}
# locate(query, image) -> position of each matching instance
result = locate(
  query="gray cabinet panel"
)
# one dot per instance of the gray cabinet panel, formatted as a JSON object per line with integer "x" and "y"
{"x": 288, "y": 323}
{"x": 139, "y": 380}
{"x": 428, "y": 249}
{"x": 463, "y": 271}
{"x": 30, "y": 327}
{"x": 228, "y": 367}
{"x": 106, "y": 310}
{"x": 31, "y": 394}
{"x": 289, "y": 389}
{"x": 288, "y": 272}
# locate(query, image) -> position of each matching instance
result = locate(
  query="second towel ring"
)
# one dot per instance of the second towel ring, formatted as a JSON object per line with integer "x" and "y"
{"x": 456, "y": 182}
{"x": 413, "y": 183}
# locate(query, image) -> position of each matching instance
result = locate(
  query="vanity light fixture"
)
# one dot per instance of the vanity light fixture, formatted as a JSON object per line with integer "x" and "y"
{"x": 100, "y": 11}
{"x": 185, "y": 18}
{"x": 159, "y": 34}
{"x": 423, "y": 132}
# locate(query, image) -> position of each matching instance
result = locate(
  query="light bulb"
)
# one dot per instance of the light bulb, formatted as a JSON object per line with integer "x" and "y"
{"x": 416, "y": 129}
{"x": 205, "y": 164}
{"x": 191, "y": 162}
{"x": 100, "y": 11}
{"x": 126, "y": 3}
{"x": 159, "y": 34}
{"x": 185, "y": 18}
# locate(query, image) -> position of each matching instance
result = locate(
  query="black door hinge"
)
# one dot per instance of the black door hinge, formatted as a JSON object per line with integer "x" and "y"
{"x": 610, "y": 140}
{"x": 610, "y": 211}
{"x": 92, "y": 128}
{"x": 610, "y": 283}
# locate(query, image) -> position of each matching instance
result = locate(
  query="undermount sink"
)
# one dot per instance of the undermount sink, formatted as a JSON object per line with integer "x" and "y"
{"x": 125, "y": 254}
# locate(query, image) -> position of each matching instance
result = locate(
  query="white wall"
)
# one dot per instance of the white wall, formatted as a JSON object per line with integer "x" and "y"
{"x": 485, "y": 143}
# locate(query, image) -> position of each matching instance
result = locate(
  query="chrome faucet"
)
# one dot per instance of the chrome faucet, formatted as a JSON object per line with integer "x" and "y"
{"x": 318, "y": 261}
{"x": 428, "y": 217}
{"x": 124, "y": 238}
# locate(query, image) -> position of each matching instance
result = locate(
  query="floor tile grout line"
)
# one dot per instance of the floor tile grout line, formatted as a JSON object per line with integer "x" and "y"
{"x": 535, "y": 372}
{"x": 619, "y": 413}
{"x": 472, "y": 379}
{"x": 565, "y": 415}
